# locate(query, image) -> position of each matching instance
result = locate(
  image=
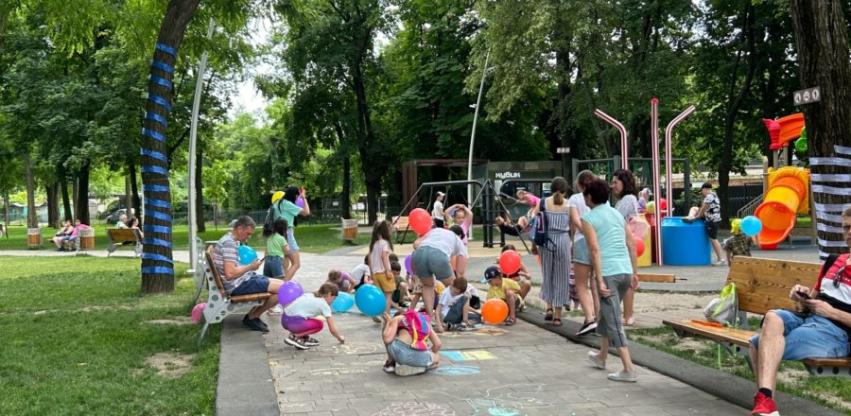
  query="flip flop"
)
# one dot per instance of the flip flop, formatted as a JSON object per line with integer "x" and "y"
{"x": 556, "y": 322}
{"x": 549, "y": 315}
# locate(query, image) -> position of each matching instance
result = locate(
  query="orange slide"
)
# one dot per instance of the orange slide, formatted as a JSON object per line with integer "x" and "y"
{"x": 787, "y": 195}
{"x": 784, "y": 129}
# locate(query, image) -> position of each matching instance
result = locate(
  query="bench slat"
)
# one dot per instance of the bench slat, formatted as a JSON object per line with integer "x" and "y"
{"x": 828, "y": 362}
{"x": 764, "y": 284}
{"x": 740, "y": 337}
{"x": 657, "y": 278}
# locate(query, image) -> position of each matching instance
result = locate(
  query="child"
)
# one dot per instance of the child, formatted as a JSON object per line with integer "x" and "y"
{"x": 454, "y": 310}
{"x": 462, "y": 217}
{"x": 361, "y": 273}
{"x": 342, "y": 280}
{"x": 400, "y": 295}
{"x": 300, "y": 317}
{"x": 522, "y": 276}
{"x": 505, "y": 289}
{"x": 738, "y": 244}
{"x": 405, "y": 338}
{"x": 380, "y": 249}
{"x": 276, "y": 248}
{"x": 432, "y": 259}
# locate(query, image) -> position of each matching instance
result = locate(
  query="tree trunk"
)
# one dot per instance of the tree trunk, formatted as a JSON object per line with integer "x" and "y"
{"x": 346, "y": 195}
{"x": 821, "y": 39}
{"x": 83, "y": 195}
{"x": 128, "y": 197}
{"x": 134, "y": 191}
{"x": 371, "y": 164}
{"x": 52, "y": 205}
{"x": 199, "y": 191}
{"x": 6, "y": 211}
{"x": 66, "y": 200}
{"x": 75, "y": 187}
{"x": 157, "y": 263}
{"x": 32, "y": 218}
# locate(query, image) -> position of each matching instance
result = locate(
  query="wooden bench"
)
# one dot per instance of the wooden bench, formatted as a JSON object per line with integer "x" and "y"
{"x": 401, "y": 225}
{"x": 763, "y": 285}
{"x": 219, "y": 303}
{"x": 121, "y": 236}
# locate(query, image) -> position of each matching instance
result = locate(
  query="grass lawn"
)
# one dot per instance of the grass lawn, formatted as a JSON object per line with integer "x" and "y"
{"x": 311, "y": 238}
{"x": 792, "y": 378}
{"x": 75, "y": 339}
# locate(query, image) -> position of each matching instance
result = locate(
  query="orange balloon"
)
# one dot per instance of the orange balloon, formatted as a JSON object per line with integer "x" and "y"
{"x": 420, "y": 221}
{"x": 509, "y": 262}
{"x": 495, "y": 311}
{"x": 639, "y": 247}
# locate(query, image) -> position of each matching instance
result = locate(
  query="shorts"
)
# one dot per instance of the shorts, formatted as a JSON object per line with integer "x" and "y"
{"x": 580, "y": 252}
{"x": 255, "y": 284}
{"x": 385, "y": 281}
{"x": 456, "y": 312}
{"x": 291, "y": 243}
{"x": 429, "y": 261}
{"x": 301, "y": 326}
{"x": 809, "y": 336}
{"x": 403, "y": 354}
{"x": 711, "y": 229}
{"x": 273, "y": 266}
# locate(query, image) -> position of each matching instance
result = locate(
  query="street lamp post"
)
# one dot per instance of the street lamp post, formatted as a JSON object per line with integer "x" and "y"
{"x": 473, "y": 134}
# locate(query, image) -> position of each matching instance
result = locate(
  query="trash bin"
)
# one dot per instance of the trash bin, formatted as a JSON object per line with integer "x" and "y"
{"x": 350, "y": 229}
{"x": 34, "y": 238}
{"x": 685, "y": 244}
{"x": 87, "y": 239}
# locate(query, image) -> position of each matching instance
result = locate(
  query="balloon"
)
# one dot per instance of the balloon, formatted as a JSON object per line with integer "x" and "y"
{"x": 370, "y": 300}
{"x": 246, "y": 254}
{"x": 663, "y": 204}
{"x": 801, "y": 145}
{"x": 300, "y": 202}
{"x": 495, "y": 311}
{"x": 289, "y": 292}
{"x": 751, "y": 226}
{"x": 639, "y": 247}
{"x": 343, "y": 302}
{"x": 409, "y": 264}
{"x": 651, "y": 207}
{"x": 197, "y": 311}
{"x": 420, "y": 221}
{"x": 510, "y": 262}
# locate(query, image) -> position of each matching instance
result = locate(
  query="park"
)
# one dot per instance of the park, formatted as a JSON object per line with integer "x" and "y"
{"x": 425, "y": 207}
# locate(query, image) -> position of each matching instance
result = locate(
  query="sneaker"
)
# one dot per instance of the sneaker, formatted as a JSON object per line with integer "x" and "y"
{"x": 595, "y": 361}
{"x": 278, "y": 309}
{"x": 623, "y": 376}
{"x": 719, "y": 263}
{"x": 586, "y": 328}
{"x": 406, "y": 370}
{"x": 764, "y": 406}
{"x": 262, "y": 324}
{"x": 255, "y": 324}
{"x": 310, "y": 342}
{"x": 389, "y": 367}
{"x": 296, "y": 342}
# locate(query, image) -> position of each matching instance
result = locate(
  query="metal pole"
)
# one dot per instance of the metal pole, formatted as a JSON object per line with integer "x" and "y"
{"x": 473, "y": 135}
{"x": 193, "y": 138}
{"x": 654, "y": 139}
{"x": 669, "y": 170}
{"x": 622, "y": 129}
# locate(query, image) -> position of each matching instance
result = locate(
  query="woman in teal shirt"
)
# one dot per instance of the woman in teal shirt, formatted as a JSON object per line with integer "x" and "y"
{"x": 287, "y": 209}
{"x": 612, "y": 251}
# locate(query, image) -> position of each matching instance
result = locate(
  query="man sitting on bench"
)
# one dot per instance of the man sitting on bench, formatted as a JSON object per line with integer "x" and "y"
{"x": 820, "y": 331}
{"x": 243, "y": 280}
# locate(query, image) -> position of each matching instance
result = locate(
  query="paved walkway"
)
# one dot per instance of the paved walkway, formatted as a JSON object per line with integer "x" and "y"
{"x": 522, "y": 370}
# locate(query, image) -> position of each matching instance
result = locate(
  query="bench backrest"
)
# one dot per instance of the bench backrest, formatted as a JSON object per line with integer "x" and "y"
{"x": 764, "y": 284}
{"x": 123, "y": 234}
{"x": 400, "y": 222}
{"x": 213, "y": 271}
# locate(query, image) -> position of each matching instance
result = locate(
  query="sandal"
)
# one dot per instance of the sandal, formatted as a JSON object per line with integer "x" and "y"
{"x": 548, "y": 316}
{"x": 510, "y": 321}
{"x": 556, "y": 322}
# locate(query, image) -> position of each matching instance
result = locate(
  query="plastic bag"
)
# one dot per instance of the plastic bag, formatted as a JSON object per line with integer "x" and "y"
{"x": 724, "y": 308}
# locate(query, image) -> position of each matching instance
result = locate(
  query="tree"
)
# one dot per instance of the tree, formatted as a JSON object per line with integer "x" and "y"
{"x": 821, "y": 40}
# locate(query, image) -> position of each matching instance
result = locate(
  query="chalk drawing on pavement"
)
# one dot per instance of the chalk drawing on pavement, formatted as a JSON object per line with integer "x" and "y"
{"x": 508, "y": 400}
{"x": 415, "y": 408}
{"x": 459, "y": 370}
{"x": 474, "y": 355}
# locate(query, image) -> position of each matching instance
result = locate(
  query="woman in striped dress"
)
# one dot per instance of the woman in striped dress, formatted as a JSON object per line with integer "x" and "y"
{"x": 555, "y": 256}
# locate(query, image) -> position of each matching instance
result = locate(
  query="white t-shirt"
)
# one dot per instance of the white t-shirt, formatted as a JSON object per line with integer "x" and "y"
{"x": 447, "y": 300}
{"x": 359, "y": 272}
{"x": 437, "y": 211}
{"x": 577, "y": 201}
{"x": 308, "y": 306}
{"x": 375, "y": 256}
{"x": 445, "y": 241}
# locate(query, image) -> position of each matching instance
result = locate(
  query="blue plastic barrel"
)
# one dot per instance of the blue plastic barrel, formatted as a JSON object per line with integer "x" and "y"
{"x": 685, "y": 244}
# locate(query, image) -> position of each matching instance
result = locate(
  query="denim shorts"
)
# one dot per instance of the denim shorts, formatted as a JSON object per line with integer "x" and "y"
{"x": 291, "y": 243}
{"x": 810, "y": 336}
{"x": 273, "y": 266}
{"x": 455, "y": 314}
{"x": 403, "y": 354}
{"x": 255, "y": 284}
{"x": 580, "y": 252}
{"x": 429, "y": 261}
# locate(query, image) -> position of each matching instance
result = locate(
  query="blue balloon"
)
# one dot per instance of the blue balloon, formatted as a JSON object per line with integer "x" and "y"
{"x": 751, "y": 226}
{"x": 343, "y": 302}
{"x": 370, "y": 300}
{"x": 246, "y": 254}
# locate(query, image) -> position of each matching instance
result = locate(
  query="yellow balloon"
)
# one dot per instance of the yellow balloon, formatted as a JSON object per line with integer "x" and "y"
{"x": 650, "y": 207}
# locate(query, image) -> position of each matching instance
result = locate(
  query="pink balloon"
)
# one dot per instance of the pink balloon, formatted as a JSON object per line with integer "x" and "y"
{"x": 300, "y": 202}
{"x": 197, "y": 311}
{"x": 289, "y": 292}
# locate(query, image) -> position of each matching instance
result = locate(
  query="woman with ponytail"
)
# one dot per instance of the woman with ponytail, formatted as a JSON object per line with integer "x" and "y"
{"x": 555, "y": 255}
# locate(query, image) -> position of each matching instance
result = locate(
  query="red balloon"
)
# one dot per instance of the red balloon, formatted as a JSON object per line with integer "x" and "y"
{"x": 663, "y": 204}
{"x": 420, "y": 221}
{"x": 639, "y": 247}
{"x": 510, "y": 262}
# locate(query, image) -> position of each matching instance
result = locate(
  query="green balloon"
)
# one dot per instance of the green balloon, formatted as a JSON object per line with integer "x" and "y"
{"x": 804, "y": 134}
{"x": 801, "y": 145}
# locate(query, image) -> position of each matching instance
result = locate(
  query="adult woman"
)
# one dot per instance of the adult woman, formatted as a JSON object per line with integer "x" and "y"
{"x": 581, "y": 258}
{"x": 612, "y": 251}
{"x": 63, "y": 235}
{"x": 624, "y": 190}
{"x": 555, "y": 256}
{"x": 287, "y": 209}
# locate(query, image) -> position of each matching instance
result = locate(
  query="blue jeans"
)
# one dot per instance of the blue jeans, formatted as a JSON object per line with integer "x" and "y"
{"x": 810, "y": 336}
{"x": 255, "y": 284}
{"x": 403, "y": 354}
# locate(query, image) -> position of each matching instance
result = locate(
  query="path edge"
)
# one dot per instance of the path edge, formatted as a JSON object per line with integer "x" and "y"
{"x": 245, "y": 385}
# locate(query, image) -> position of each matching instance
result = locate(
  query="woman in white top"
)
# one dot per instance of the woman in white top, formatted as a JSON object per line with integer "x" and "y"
{"x": 624, "y": 191}
{"x": 432, "y": 259}
{"x": 581, "y": 257}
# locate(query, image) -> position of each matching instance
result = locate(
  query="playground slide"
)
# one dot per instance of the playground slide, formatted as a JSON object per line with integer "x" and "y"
{"x": 787, "y": 194}
{"x": 784, "y": 129}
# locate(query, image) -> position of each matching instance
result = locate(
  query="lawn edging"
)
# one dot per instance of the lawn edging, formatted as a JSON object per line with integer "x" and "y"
{"x": 245, "y": 385}
{"x": 728, "y": 387}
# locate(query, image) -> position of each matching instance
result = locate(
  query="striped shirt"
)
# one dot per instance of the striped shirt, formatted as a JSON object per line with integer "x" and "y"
{"x": 225, "y": 250}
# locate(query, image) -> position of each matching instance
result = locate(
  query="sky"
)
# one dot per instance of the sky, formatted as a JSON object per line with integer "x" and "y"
{"x": 248, "y": 99}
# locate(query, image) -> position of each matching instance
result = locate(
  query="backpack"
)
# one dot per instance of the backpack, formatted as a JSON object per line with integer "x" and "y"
{"x": 418, "y": 326}
{"x": 270, "y": 214}
{"x": 724, "y": 308}
{"x": 540, "y": 227}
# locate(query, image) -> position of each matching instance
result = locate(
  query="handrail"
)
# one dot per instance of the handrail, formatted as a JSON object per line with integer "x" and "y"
{"x": 750, "y": 207}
